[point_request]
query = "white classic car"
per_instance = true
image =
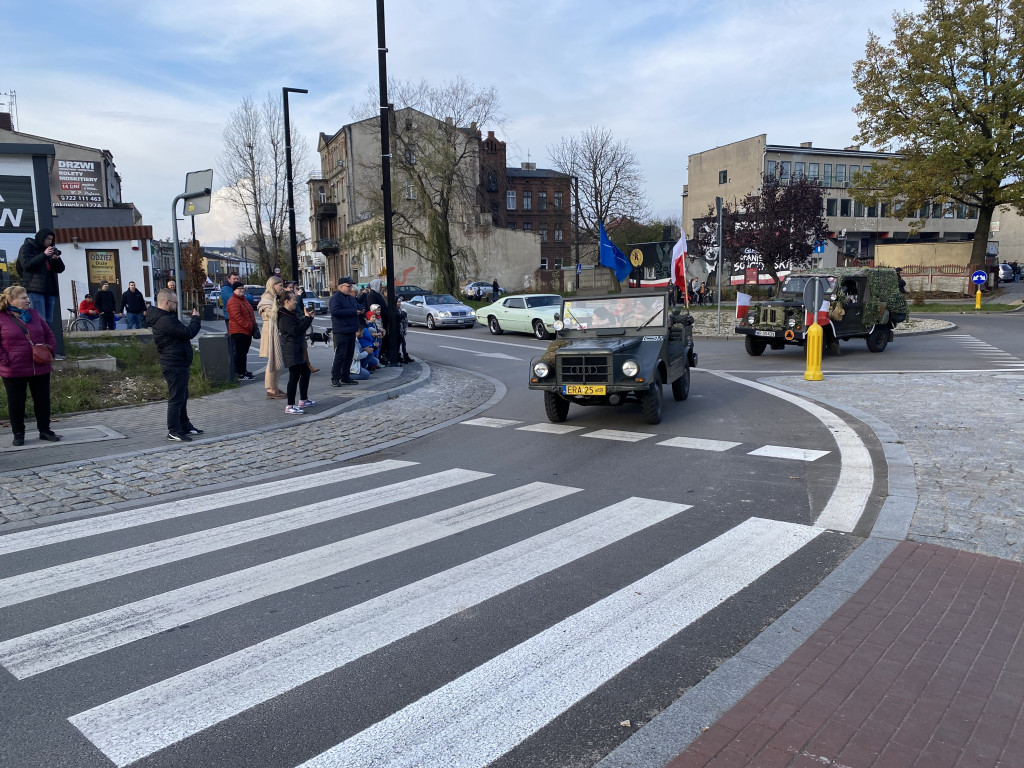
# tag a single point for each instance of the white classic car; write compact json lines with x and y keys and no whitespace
{"x":526,"y":313}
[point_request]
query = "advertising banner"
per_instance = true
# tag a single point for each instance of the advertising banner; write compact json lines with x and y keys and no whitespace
{"x":77,"y":183}
{"x":102,"y":265}
{"x":17,"y":221}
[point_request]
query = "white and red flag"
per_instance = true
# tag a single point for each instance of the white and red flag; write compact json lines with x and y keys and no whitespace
{"x":822,"y":315}
{"x":742,"y":305}
{"x":679,"y":267}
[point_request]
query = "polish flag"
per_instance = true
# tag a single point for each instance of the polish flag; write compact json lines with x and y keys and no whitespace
{"x":742,"y":305}
{"x":679,"y":267}
{"x":822,"y":316}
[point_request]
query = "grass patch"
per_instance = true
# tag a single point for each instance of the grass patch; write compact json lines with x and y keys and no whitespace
{"x":137,"y":379}
{"x":939,"y":308}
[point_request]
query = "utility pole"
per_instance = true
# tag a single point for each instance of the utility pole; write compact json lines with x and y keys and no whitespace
{"x":293,"y":247}
{"x":385,"y":166}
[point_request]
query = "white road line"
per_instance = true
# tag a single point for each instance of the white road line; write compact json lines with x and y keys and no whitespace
{"x":488,"y":422}
{"x":58,"y":578}
{"x":783,"y":452}
{"x":53,"y":534}
{"x":856,"y":472}
{"x":485,"y":713}
{"x":150,"y":719}
{"x":551,"y":429}
{"x":74,"y":640}
{"x":699,"y":444}
{"x":615,"y":434}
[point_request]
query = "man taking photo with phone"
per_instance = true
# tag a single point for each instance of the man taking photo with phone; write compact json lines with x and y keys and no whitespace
{"x":173,"y":340}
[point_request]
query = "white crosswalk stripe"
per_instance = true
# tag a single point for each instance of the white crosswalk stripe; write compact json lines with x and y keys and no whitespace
{"x":477,"y":715}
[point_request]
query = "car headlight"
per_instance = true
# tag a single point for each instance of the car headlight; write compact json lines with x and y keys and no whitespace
{"x":791,"y":322}
{"x":559,"y":325}
{"x":541,"y":370}
{"x":630,"y":368}
{"x":472,"y":313}
{"x":445,"y":314}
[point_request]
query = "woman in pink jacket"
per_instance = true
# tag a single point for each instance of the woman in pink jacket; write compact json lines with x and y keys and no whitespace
{"x":20,"y":328}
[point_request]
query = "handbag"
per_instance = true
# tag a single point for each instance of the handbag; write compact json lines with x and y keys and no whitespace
{"x":355,"y":366}
{"x":255,"y":331}
{"x":41,"y":353}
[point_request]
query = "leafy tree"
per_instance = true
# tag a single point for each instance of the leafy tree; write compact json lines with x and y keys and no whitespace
{"x":948,"y":95}
{"x":625,"y":232}
{"x":252,"y":166}
{"x":778,"y":226}
{"x":610,"y":180}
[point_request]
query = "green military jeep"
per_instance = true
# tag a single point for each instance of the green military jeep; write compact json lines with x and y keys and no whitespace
{"x":864,"y":302}
{"x":610,"y":350}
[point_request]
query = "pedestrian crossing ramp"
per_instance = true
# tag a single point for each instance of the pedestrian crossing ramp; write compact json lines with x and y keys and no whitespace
{"x":480,"y":714}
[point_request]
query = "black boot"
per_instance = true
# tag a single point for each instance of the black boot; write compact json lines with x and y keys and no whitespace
{"x":19,"y":439}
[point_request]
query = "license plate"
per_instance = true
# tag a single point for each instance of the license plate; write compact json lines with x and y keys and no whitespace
{"x":583,"y":389}
{"x":770,"y":334}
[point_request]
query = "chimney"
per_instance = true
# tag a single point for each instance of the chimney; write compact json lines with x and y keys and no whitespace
{"x":852,"y":148}
{"x":490,"y":134}
{"x":529,"y":166}
{"x":5,"y":121}
{"x":805,"y":145}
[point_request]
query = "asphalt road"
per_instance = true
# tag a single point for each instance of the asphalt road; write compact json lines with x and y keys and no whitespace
{"x":496,"y":592}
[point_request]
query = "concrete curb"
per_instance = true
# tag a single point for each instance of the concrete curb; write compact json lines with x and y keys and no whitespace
{"x":740,"y":336}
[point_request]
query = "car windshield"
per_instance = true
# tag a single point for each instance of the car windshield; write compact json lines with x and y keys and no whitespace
{"x":614,"y":312}
{"x":795,"y":284}
{"x":444,"y":298}
{"x":543,"y":301}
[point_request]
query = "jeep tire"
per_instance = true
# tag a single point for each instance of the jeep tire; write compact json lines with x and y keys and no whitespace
{"x":556,"y":407}
{"x":754,"y":346}
{"x":878,"y":338}
{"x":650,"y":401}
{"x":681,"y":386}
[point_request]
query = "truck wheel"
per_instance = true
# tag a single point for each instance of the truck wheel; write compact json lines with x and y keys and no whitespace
{"x":755,"y":347}
{"x":539,"y":330}
{"x":493,"y":327}
{"x":556,"y":407}
{"x":878,"y":338}
{"x":681,"y":386}
{"x":650,"y":401}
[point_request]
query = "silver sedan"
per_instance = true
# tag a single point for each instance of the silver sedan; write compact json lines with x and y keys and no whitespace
{"x":439,"y":311}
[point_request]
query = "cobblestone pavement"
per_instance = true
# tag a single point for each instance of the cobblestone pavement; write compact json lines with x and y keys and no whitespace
{"x":965,"y":436}
{"x":706,"y":325}
{"x":96,"y":485}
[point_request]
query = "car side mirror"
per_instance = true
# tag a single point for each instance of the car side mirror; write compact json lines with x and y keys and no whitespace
{"x":558,"y":315}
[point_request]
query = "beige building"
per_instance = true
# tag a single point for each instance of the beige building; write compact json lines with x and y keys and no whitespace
{"x":734,"y":170}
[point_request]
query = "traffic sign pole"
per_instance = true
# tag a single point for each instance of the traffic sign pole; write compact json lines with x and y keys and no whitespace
{"x":815,"y":337}
{"x":979,"y":278}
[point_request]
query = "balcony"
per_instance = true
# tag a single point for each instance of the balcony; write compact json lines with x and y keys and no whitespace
{"x":326,"y":210}
{"x":327,"y":245}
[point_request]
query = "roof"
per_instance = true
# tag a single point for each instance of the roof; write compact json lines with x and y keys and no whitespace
{"x":540,"y":173}
{"x":102,"y":234}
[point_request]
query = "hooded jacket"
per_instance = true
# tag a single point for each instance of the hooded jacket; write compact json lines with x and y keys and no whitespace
{"x":39,"y":271}
{"x":173,"y":339}
{"x":292,"y":330}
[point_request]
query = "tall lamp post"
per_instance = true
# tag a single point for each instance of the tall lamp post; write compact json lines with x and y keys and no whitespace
{"x":294,"y":249}
{"x":385,"y":165}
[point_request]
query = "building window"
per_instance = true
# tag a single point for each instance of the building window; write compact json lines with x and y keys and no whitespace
{"x":936,"y":210}
{"x":558,"y":235}
{"x":723,"y":177}
{"x":844,"y":207}
{"x":885,"y":210}
{"x":772,"y":167}
{"x":543,"y":262}
{"x":858,"y":209}
{"x":543,"y":229}
{"x":558,"y":201}
{"x":510,"y":200}
{"x":511,"y":225}
{"x":831,"y":207}
{"x":410,"y":156}
{"x":542,"y":201}
{"x":854,"y":169}
{"x":528,"y":226}
{"x":828,"y":174}
{"x":323,"y":199}
{"x":785,"y":165}
{"x":798,"y":170}
{"x":840,"y":173}
{"x":872,"y":211}
{"x":527,"y":200}
{"x":812,"y":171}
{"x":410,"y":193}
{"x":492,"y":182}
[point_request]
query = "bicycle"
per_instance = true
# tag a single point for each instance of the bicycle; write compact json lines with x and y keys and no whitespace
{"x":75,"y":322}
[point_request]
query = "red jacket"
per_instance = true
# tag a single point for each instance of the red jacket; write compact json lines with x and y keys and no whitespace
{"x":241,"y":318}
{"x":16,"y":351}
{"x":88,"y":308}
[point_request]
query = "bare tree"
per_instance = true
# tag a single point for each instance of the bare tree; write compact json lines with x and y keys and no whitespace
{"x":609,"y":179}
{"x":253,"y":169}
{"x":435,"y":172}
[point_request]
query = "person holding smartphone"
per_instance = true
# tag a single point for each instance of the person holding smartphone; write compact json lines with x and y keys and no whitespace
{"x":292,"y":330}
{"x":173,"y":340}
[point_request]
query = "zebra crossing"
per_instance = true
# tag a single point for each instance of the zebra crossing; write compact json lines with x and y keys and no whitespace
{"x":993,"y":355}
{"x":478,"y":715}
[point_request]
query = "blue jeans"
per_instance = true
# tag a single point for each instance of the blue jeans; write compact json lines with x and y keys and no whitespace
{"x":133,"y":319}
{"x":43,"y":305}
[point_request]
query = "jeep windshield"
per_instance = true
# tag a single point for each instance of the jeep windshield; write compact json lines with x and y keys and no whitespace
{"x":794,"y":284}
{"x":620,"y":312}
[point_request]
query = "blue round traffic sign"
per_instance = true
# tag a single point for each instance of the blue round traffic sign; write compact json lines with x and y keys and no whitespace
{"x":980,"y":277}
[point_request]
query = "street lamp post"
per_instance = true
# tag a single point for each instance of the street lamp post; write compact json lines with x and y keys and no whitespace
{"x":288,"y":171}
{"x":385,"y":165}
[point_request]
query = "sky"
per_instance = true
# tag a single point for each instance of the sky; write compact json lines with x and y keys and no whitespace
{"x":155,"y":82}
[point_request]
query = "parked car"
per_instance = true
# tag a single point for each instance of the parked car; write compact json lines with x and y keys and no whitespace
{"x":1006,"y":273}
{"x":406,"y":292}
{"x":439,"y":311}
{"x":213,"y":297}
{"x":254,"y":293}
{"x":310,"y":299}
{"x":486,"y":291}
{"x":526,"y":313}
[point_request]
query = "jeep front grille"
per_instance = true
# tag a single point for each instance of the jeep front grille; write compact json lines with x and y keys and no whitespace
{"x":773,"y":315}
{"x":585,"y":369}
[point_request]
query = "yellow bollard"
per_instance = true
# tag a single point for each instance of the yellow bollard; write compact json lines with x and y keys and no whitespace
{"x":815,"y":336}
{"x":977,"y":299}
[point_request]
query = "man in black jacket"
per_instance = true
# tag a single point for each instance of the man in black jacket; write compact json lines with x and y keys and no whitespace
{"x":39,"y":263}
{"x":344,"y":322}
{"x":106,"y":305}
{"x":174,"y":342}
{"x":133,"y":306}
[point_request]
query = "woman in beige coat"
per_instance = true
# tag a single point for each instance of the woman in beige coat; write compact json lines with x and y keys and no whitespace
{"x":270,"y":342}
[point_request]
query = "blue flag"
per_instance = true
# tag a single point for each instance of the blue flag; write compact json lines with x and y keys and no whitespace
{"x":613,"y":258}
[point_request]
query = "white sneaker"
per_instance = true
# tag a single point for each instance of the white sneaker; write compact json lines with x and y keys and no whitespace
{"x":307,"y":403}
{"x":294,"y":409}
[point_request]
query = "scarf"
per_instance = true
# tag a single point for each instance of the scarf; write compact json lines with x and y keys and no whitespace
{"x":24,"y":314}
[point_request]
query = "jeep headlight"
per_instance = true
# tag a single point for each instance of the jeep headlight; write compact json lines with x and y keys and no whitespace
{"x":791,"y":322}
{"x":541,"y":370}
{"x":559,"y":325}
{"x":630,"y":368}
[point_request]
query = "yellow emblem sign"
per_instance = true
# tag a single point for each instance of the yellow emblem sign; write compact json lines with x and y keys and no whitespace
{"x":636,"y":257}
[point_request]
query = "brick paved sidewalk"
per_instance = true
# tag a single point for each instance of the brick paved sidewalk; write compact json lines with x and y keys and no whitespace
{"x":922,"y":668}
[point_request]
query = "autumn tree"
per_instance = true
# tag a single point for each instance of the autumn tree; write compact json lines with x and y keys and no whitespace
{"x":625,"y":232}
{"x":609,"y":179}
{"x":252,"y":166}
{"x":435,"y":173}
{"x":947,"y":94}
{"x":776,"y":228}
